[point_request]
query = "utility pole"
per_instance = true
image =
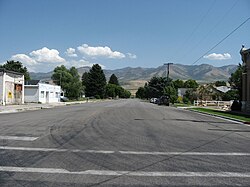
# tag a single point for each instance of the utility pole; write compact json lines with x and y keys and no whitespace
{"x":168,"y":64}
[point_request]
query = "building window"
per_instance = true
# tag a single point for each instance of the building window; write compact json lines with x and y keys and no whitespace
{"x":42,"y":94}
{"x":57,"y":94}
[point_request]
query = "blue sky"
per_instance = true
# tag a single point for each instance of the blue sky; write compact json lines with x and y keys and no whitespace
{"x":120,"y":33}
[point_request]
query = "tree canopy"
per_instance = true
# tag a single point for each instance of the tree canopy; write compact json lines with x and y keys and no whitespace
{"x":16,"y":66}
{"x":69,"y":80}
{"x":191,"y":84}
{"x":96,"y":83}
{"x":113,"y":80}
{"x":235,"y":80}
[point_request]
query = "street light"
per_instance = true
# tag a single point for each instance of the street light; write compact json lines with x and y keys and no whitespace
{"x":168,"y":64}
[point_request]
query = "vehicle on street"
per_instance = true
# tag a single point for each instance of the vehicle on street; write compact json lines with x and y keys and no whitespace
{"x":163,"y":100}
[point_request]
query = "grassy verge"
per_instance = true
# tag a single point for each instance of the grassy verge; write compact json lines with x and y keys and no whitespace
{"x":228,"y":114}
{"x":182,"y":105}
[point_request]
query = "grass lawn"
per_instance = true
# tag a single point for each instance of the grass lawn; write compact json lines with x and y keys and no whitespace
{"x":182,"y":105}
{"x":228,"y":114}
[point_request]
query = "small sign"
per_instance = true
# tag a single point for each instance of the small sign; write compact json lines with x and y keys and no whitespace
{"x":9,"y":95}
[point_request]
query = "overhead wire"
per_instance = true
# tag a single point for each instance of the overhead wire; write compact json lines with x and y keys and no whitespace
{"x":216,"y":25}
{"x":243,"y":23}
{"x":199,"y":24}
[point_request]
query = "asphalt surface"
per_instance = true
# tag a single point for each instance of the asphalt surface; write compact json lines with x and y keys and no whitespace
{"x":122,"y":143}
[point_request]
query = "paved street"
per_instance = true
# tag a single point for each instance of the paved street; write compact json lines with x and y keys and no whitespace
{"x":122,"y":143}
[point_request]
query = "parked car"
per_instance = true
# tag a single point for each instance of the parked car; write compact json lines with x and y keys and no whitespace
{"x":163,"y":100}
{"x":64,"y":99}
{"x":153,"y":100}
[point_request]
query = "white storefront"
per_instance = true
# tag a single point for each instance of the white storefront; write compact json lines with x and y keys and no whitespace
{"x":11,"y":87}
{"x":42,"y":93}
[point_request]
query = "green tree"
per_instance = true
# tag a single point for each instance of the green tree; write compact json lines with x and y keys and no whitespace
{"x":191,"y":84}
{"x":16,"y":66}
{"x":155,"y":87}
{"x":113,"y":80}
{"x":231,"y":95}
{"x":178,"y":83}
{"x":220,"y":83}
{"x":140,"y":93}
{"x":69,"y":80}
{"x":111,"y":90}
{"x":96,"y":83}
{"x":190,"y":96}
{"x":122,"y":93}
{"x":235,"y":80}
{"x":85,"y":77}
{"x":75,"y":86}
{"x":171,"y":92}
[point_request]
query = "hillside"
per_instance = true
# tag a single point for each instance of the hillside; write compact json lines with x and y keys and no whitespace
{"x":132,"y":78}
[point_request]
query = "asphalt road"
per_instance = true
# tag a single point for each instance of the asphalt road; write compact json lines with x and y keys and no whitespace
{"x":122,"y":143}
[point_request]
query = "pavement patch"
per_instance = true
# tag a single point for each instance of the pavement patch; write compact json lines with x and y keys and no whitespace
{"x":18,"y":138}
{"x":127,"y":173}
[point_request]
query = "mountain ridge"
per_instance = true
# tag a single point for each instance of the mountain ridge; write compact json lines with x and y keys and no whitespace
{"x":201,"y":73}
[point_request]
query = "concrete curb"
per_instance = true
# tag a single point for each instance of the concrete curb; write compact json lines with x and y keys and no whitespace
{"x":228,"y":118}
{"x":32,"y":108}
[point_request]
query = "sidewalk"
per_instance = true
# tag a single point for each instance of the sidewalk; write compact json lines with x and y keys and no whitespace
{"x":34,"y":106}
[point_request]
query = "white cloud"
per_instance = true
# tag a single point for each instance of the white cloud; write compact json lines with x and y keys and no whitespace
{"x":100,"y":51}
{"x":46,"y":55}
{"x":81,"y":63}
{"x":25,"y":59}
{"x":71,"y":52}
{"x":215,"y":56}
{"x":132,"y":56}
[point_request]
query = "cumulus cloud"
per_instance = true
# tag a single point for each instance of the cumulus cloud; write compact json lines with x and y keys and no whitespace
{"x":81,"y":63}
{"x":25,"y":59}
{"x":132,"y":56}
{"x":100,"y":52}
{"x":215,"y":56}
{"x":71,"y":52}
{"x":46,"y":55}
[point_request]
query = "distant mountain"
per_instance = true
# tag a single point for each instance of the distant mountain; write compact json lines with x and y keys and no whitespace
{"x":201,"y":73}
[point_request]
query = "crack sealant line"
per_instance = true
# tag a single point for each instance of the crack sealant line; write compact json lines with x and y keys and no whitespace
{"x":127,"y":173}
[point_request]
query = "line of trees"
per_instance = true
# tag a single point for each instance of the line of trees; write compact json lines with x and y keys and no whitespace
{"x":159,"y":86}
{"x":92,"y":83}
{"x":163,"y":86}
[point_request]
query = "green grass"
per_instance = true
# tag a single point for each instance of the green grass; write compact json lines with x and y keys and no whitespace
{"x":228,"y":114}
{"x":182,"y":105}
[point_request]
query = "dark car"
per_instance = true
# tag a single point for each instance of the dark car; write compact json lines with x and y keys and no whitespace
{"x":64,"y":99}
{"x":163,"y":100}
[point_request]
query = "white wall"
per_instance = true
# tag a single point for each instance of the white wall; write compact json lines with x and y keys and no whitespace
{"x":31,"y":94}
{"x":9,"y":95}
{"x":51,"y":93}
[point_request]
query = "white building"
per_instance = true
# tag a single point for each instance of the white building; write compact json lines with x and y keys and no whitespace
{"x":42,"y":93}
{"x":11,"y":87}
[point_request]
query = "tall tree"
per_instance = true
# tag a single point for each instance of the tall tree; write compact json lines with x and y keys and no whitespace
{"x":191,"y":84}
{"x":178,"y":83}
{"x":96,"y":82}
{"x":140,"y":93}
{"x":156,"y":85}
{"x":85,"y":77}
{"x":113,"y":80}
{"x":16,"y":66}
{"x":236,"y":80}
{"x":69,"y":80}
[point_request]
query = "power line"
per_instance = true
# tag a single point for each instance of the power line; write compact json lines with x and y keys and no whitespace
{"x":199,"y":24}
{"x":222,"y":40}
{"x":202,"y":39}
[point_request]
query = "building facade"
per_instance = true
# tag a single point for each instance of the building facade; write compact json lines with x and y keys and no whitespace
{"x":11,"y":87}
{"x":42,"y":93}
{"x":245,"y":56}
